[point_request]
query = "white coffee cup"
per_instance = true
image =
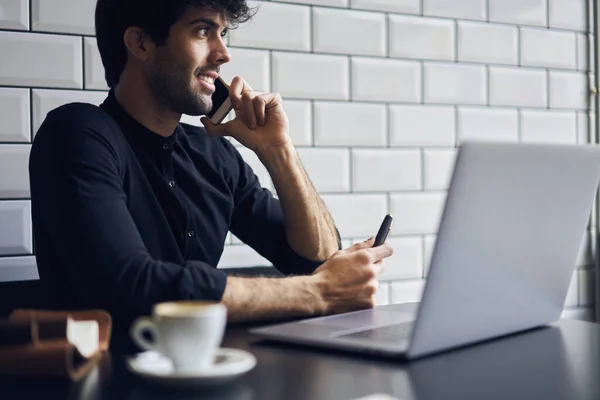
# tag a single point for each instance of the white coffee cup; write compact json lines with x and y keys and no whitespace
{"x":187,"y":332}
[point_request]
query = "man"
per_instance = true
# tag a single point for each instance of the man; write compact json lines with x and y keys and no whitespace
{"x":131,"y":208}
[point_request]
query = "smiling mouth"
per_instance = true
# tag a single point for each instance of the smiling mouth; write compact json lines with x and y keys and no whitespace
{"x":206,"y":79}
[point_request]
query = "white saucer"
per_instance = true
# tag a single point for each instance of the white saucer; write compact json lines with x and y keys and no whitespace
{"x":158,"y":369}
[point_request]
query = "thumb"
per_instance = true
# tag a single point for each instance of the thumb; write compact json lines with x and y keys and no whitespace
{"x":360,"y":245}
{"x":215,"y":130}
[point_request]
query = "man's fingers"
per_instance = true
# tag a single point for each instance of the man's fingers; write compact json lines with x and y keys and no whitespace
{"x":360,"y":245}
{"x":248,"y":115}
{"x":260,"y":107}
{"x":215,"y":130}
{"x":380,"y":252}
{"x":379,"y":267}
{"x":238,"y":87}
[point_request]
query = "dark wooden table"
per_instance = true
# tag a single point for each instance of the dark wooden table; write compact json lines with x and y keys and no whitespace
{"x":558,"y":362}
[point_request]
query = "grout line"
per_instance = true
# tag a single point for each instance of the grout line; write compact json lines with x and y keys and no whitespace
{"x":351,"y":168}
{"x":519,"y":38}
{"x":422,"y":82}
{"x":456,"y":41}
{"x":31,"y":116}
{"x":547,"y":89}
{"x":30,"y":15}
{"x":456,"y":125}
{"x":387,"y":34}
{"x":83,"y":81}
{"x":519,"y":126}
{"x":422,"y":160}
{"x":547,"y":2}
{"x":271,"y":71}
{"x":312,"y":122}
{"x":487,"y":10}
{"x":311,"y":28}
{"x":388,"y":126}
{"x":487,"y":85}
{"x":350,"y":94}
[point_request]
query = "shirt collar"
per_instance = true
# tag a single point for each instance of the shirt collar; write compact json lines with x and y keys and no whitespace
{"x":134,"y":130}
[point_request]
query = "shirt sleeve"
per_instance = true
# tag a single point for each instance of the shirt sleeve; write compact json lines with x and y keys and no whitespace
{"x":76,"y":177}
{"x":258,"y":221}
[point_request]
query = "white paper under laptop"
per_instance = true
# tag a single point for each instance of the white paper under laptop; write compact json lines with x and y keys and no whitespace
{"x":506,"y":249}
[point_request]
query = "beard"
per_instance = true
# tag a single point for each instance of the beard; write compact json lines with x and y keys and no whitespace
{"x":171,"y":85}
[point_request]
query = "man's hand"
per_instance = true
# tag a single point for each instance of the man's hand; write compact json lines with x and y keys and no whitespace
{"x":348,"y":280}
{"x":260,"y":122}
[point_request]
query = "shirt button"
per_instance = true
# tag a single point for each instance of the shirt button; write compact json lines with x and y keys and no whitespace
{"x":166,"y":146}
{"x":171,"y":183}
{"x":191,"y":233}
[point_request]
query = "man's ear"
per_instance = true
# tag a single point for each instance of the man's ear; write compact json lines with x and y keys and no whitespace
{"x":138,"y":43}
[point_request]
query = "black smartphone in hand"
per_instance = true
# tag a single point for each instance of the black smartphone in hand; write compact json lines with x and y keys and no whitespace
{"x":221,"y":102}
{"x":384,"y":229}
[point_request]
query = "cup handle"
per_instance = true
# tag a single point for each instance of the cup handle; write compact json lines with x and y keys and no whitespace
{"x":137,"y":330}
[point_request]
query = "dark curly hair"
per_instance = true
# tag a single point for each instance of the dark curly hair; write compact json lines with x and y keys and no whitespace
{"x":155,"y":17}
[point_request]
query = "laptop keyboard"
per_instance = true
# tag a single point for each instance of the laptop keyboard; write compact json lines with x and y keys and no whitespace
{"x":390,"y":333}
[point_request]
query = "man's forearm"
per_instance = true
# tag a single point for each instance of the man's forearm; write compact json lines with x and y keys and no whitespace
{"x":250,"y":299}
{"x":309,"y":227}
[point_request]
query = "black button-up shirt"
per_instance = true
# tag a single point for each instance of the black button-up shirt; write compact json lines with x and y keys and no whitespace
{"x":124,"y":218}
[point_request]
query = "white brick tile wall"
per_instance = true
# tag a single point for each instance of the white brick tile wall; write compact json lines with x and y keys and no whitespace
{"x":386,"y":80}
{"x":454,"y":83}
{"x":467,"y":9}
{"x":518,"y":87}
{"x":14,"y":14}
{"x":481,"y":123}
{"x":15,"y":228}
{"x":422,"y":125}
{"x":395,"y":6}
{"x":45,"y":100}
{"x":438,"y":168}
{"x":378,"y":94}
{"x":568,"y":90}
{"x":32,"y":54}
{"x":328,"y":169}
{"x":349,"y":32}
{"x":386,"y":170}
{"x":548,"y":126}
{"x":487,"y":43}
{"x":311,"y":76}
{"x":546,"y":48}
{"x":430,"y":38}
{"x":275,"y":26}
{"x":519,"y":12}
{"x":14,"y":179}
{"x":65,"y":16}
{"x":350,"y":124}
{"x":568,"y":14}
{"x":15,"y":115}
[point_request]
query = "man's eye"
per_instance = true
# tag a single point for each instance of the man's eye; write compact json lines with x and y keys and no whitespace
{"x":224,"y":33}
{"x":203,"y":31}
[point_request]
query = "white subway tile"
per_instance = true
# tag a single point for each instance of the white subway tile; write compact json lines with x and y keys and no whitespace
{"x":518,"y":87}
{"x":331,"y":3}
{"x":487,"y":43}
{"x":350,"y":124}
{"x":572,"y":298}
{"x":581,"y":314}
{"x":18,"y":269}
{"x":14,"y":158}
{"x":15,"y":228}
{"x":421,"y":38}
{"x":65,"y":16}
{"x":548,"y":126}
{"x":547,"y":48}
{"x":335,"y":31}
{"x":382,"y":297}
{"x":466,"y":9}
{"x":476,"y":123}
{"x":407,"y":291}
{"x":251,"y":65}
{"x":14,"y":114}
{"x":239,"y":256}
{"x":416,"y":213}
{"x":386,"y":80}
{"x":356,"y":215}
{"x":45,"y":100}
{"x":257,"y":166}
{"x":275,"y":26}
{"x":586,"y":287}
{"x":299,"y":114}
{"x":94,"y":70}
{"x":386,"y":170}
{"x":582,"y":52}
{"x":438,"y":167}
{"x":454,"y":83}
{"x":41,"y":60}
{"x":519,"y":12}
{"x":568,"y":14}
{"x":328,"y":169}
{"x":14,"y":14}
{"x":311,"y":76}
{"x":583,"y":124}
{"x":407,"y":260}
{"x":422,"y":125}
{"x":395,"y":6}
{"x":428,"y":246}
{"x":568,"y":90}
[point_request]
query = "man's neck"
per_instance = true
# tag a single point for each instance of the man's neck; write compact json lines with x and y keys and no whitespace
{"x":136,"y":99}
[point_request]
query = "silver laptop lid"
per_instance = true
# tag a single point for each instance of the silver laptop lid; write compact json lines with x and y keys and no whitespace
{"x":507,"y":241}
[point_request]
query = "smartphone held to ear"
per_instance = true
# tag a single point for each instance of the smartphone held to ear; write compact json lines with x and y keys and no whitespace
{"x":221,"y":102}
{"x":384,"y":229}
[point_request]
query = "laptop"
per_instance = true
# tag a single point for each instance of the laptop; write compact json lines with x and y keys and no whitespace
{"x":507,"y":244}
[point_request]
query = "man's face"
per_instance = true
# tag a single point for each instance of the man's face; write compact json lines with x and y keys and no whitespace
{"x":180,"y":75}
